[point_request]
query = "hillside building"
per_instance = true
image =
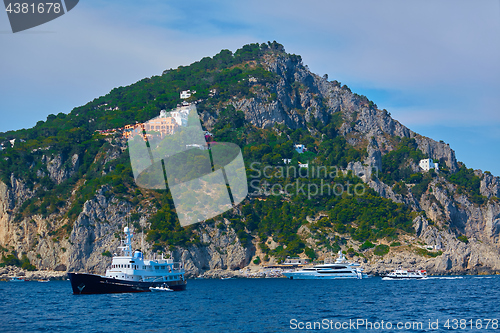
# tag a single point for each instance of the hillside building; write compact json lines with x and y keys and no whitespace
{"x":427,"y":164}
{"x":185,"y":94}
{"x":300,"y":148}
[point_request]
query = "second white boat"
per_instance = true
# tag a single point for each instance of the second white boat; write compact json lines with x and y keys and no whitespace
{"x":341,"y":269}
{"x":403,"y":274}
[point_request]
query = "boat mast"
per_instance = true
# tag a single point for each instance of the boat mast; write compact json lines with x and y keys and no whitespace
{"x":127,"y":243}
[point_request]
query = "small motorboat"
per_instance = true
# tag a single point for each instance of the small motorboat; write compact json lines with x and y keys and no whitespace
{"x":403,"y":274}
{"x":162,"y":288}
{"x":16,"y":279}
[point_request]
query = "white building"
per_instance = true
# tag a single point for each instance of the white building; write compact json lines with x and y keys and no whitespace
{"x":287,"y":160}
{"x":305,"y":165}
{"x":300,"y":148}
{"x":187,"y":93}
{"x":428,"y":164}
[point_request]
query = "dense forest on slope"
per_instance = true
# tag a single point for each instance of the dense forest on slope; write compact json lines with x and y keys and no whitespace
{"x":70,"y":142}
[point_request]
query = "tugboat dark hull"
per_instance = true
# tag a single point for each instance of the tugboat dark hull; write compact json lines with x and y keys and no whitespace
{"x":83,"y":283}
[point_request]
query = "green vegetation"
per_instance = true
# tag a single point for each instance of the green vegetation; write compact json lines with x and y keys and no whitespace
{"x":352,"y":253}
{"x":256,"y":260}
{"x":468,"y":183}
{"x":381,"y":250}
{"x":310,"y":253}
{"x":422,"y":186}
{"x":429,"y":254}
{"x":395,"y":163}
{"x":393,"y":244}
{"x":13,"y":260}
{"x":165,"y":227}
{"x":107,"y":254}
{"x":366,"y":245}
{"x":463,"y":238}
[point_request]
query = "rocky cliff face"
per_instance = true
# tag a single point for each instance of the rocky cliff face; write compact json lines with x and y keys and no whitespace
{"x":223,"y":251}
{"x":59,"y":172}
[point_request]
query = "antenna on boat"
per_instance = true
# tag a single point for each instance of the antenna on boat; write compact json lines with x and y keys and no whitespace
{"x":142,"y":235}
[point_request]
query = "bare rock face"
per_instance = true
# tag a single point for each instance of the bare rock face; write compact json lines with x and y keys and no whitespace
{"x":59,"y":171}
{"x":94,"y":233}
{"x":11,"y":196}
{"x":6,"y":199}
{"x":490,"y":185}
{"x":223,"y":251}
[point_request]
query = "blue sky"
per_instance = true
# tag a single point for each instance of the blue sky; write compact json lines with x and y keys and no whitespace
{"x":434,"y":65}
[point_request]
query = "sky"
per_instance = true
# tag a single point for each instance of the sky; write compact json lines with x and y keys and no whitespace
{"x":434,"y":65}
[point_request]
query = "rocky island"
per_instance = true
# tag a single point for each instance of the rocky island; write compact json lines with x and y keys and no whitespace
{"x":66,"y":186}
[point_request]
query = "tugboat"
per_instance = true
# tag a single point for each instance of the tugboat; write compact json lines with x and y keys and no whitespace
{"x":341,"y":269}
{"x":402,"y":274}
{"x":130,"y":273}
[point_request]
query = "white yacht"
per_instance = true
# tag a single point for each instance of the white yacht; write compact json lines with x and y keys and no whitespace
{"x":131,"y":273}
{"x":341,"y":269}
{"x":403,"y":274}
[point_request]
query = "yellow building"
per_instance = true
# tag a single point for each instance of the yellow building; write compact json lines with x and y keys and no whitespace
{"x":165,"y":126}
{"x":162,"y":126}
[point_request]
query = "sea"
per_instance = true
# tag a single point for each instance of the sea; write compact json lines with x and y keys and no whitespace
{"x":438,"y":304}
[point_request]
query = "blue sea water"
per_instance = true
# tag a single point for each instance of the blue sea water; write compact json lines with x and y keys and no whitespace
{"x":469,"y":303}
